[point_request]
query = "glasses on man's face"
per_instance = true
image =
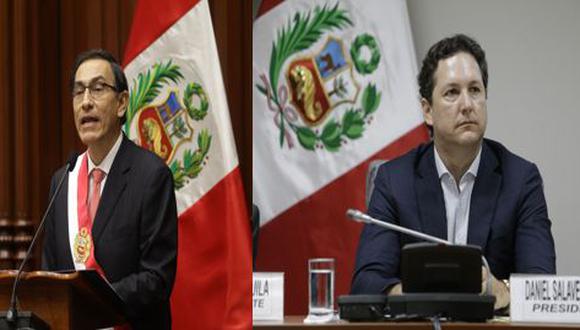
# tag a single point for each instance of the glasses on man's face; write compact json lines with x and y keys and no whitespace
{"x":97,"y":89}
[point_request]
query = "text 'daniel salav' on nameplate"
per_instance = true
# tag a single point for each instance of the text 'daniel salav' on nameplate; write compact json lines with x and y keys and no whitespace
{"x":544,"y":298}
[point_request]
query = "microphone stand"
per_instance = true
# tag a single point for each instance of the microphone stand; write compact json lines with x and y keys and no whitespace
{"x":460,"y":306}
{"x":359,"y":216}
{"x":12,"y":313}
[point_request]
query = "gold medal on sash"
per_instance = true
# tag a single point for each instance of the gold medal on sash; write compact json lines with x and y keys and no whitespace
{"x":82,"y":246}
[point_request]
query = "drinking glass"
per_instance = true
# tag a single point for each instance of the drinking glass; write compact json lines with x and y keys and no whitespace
{"x":320,"y":289}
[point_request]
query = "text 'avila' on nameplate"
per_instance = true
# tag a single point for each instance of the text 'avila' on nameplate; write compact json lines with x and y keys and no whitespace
{"x":268,"y":296}
{"x":544,"y":298}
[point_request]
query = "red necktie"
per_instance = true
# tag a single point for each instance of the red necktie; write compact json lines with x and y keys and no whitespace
{"x":98,"y":176}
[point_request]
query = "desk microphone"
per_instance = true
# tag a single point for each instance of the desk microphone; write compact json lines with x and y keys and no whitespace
{"x":12,"y":314}
{"x":359,"y":216}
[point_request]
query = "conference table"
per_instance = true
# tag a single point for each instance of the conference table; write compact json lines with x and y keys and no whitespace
{"x":296,"y":322}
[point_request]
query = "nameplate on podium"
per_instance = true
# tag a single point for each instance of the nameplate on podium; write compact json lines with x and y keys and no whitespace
{"x":268,"y":296}
{"x":544,"y":298}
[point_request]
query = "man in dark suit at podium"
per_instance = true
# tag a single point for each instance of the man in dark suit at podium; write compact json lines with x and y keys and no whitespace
{"x":460,"y":186}
{"x":116,"y":212}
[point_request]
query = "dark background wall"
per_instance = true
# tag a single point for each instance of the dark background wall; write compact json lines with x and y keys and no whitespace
{"x":39,"y":40}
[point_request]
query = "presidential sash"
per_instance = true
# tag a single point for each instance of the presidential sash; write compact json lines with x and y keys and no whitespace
{"x":83,"y":249}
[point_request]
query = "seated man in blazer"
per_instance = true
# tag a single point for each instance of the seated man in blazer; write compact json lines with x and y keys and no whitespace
{"x":116,"y":212}
{"x":460,"y":186}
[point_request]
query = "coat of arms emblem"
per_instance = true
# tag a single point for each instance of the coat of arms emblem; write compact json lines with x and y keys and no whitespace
{"x":319,"y":100}
{"x":165,"y":127}
{"x":318,"y":84}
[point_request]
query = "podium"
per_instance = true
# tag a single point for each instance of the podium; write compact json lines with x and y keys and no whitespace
{"x":74,"y":300}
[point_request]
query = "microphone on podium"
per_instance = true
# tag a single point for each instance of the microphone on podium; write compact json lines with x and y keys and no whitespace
{"x":12,"y":313}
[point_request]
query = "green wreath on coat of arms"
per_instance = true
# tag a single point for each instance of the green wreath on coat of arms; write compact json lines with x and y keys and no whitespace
{"x":300,"y":34}
{"x":146,"y":87}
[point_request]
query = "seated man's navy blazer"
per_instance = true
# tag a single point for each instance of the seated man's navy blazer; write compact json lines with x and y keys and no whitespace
{"x":508,"y":217}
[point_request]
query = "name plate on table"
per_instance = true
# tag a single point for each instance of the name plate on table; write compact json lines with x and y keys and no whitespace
{"x":544,"y":298}
{"x":268,"y":296}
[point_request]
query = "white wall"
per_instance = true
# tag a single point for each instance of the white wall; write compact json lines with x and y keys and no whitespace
{"x":533,"y":52}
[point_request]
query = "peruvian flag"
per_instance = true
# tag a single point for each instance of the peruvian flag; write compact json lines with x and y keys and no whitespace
{"x":178,"y":109}
{"x":334,"y":88}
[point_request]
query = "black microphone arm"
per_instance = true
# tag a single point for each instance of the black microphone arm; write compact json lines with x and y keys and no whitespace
{"x":359,"y":216}
{"x":12,"y":314}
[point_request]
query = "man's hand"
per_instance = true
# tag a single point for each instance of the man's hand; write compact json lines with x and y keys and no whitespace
{"x":498,"y":289}
{"x":395,"y":290}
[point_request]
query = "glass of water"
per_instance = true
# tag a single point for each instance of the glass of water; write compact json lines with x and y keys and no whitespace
{"x":320,"y":289}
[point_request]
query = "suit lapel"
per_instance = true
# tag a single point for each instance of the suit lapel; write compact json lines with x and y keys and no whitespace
{"x":114,"y":186}
{"x":430,"y":195}
{"x":484,"y":198}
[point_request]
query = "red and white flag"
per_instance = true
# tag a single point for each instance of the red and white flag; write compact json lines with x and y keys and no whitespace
{"x":178,"y":109}
{"x":334,"y":88}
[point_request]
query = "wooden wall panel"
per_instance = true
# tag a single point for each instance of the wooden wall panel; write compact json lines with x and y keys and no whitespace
{"x":45,"y":152}
{"x":232,"y":21}
{"x":6,"y":150}
{"x":32,"y":127}
{"x":92,"y":17}
{"x":244,"y":132}
{"x":22,"y":112}
{"x":39,"y":40}
{"x":67,"y":49}
{"x":110,"y":26}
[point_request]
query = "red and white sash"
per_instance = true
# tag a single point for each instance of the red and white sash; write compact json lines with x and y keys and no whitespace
{"x":79,"y":221}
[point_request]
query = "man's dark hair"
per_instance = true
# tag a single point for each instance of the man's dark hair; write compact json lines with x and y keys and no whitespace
{"x":91,"y":54}
{"x":444,"y":49}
